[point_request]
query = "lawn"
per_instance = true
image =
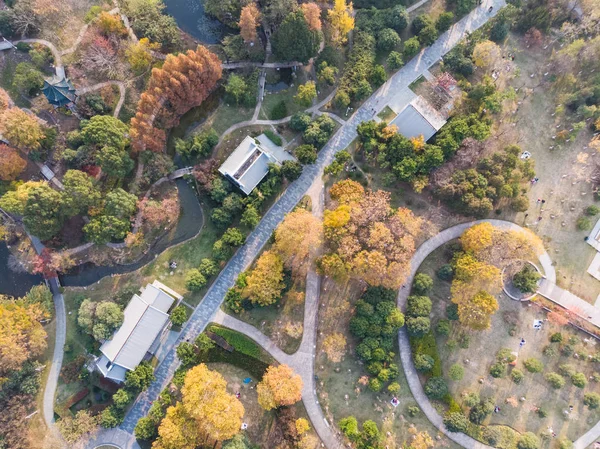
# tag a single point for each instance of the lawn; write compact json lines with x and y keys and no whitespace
{"x":519,"y":403}
{"x":386,"y":114}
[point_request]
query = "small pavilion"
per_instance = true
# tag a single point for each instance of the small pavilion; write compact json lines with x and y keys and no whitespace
{"x":59,"y":91}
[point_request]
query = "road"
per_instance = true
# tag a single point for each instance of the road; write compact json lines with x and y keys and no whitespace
{"x":211,"y":303}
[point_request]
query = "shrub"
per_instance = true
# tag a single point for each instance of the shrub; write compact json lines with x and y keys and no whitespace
{"x":498,"y":370}
{"x":526,"y":280}
{"x":556,"y":337}
{"x":592,"y":400}
{"x":471,"y":399}
{"x":444,"y":21}
{"x":542,"y":413}
{"x":505,"y":355}
{"x":273,"y":137}
{"x":418,"y":306}
{"x":375,"y":384}
{"x":579,"y":380}
{"x":394,"y":388}
{"x":452,"y":312}
{"x":550,"y":351}
{"x":592,"y":211}
{"x":456,"y":372}
{"x":492,"y":435}
{"x":555,"y":380}
{"x":194,"y":280}
{"x":146,"y":429}
{"x":567,"y":350}
{"x":456,"y":422}
{"x":445,"y":272}
{"x":111,"y":417}
{"x":565,"y":444}
{"x":479,"y":412}
{"x":413,"y":410}
{"x":566,"y":369}
{"x":517,"y":376}
{"x":179,"y":315}
{"x":423,"y":362}
{"x":584,"y":224}
{"x":436,"y":388}
{"x":418,"y":326}
{"x":533,"y":365}
{"x":528,"y":441}
{"x":443,"y":327}
{"x":422,"y":284}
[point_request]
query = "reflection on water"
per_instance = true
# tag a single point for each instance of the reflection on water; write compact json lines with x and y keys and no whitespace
{"x":191,"y":18}
{"x":188,"y":226}
{"x":11,"y":283}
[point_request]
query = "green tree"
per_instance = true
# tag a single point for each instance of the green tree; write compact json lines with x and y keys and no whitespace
{"x":291,"y":170}
{"x":194,"y":280}
{"x":250,"y":217}
{"x":79,"y":192}
{"x":146,"y":429}
{"x":300,"y":121}
{"x":111,"y":417}
{"x":418,"y":306}
{"x":306,"y":154}
{"x":28,"y":79}
{"x":105,"y":228}
{"x":43,"y":214}
{"x":555,"y":380}
{"x":294,"y":40}
{"x":114,"y":162}
{"x":104,"y":130}
{"x":423,"y":362}
{"x":417,"y":326}
{"x":208,"y":267}
{"x":120,"y":204}
{"x":481,"y":411}
{"x":233,"y":237}
{"x":444,"y":21}
{"x":592,"y":400}
{"x":422,"y":284}
{"x":236,"y":87}
{"x":179,"y":315}
{"x":533,"y":365}
{"x":42,"y":296}
{"x":436,"y":388}
{"x":411,"y":47}
{"x":394,"y":60}
{"x":456,"y":372}
{"x":140,"y":378}
{"x":387,"y":39}
{"x":579,"y":380}
{"x":121,"y":398}
{"x":186,"y":352}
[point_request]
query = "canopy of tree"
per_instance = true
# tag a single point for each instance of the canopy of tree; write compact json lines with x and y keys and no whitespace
{"x":183,"y":82}
{"x":279,"y":386}
{"x":294,"y":40}
{"x":206,"y":414}
{"x":371,"y":240}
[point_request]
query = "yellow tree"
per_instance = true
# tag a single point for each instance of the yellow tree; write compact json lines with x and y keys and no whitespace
{"x":11,"y":164}
{"x":217,"y":413}
{"x":298,"y":234}
{"x":21,"y":129}
{"x":312,"y":14}
{"x":248,"y":22}
{"x":5,"y":101}
{"x":477,"y":238}
{"x":421,"y":440}
{"x":476,"y":313}
{"x":486,"y":54}
{"x":21,"y":334}
{"x":307,"y":92}
{"x":279,"y":386}
{"x":139,"y":54}
{"x":341,"y":20}
{"x":347,"y":191}
{"x":265,"y":283}
{"x":177,"y":430}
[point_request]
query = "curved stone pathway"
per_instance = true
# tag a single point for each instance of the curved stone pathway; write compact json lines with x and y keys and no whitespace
{"x":119,"y":84}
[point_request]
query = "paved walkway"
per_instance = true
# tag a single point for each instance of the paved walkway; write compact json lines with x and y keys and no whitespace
{"x":569,"y":301}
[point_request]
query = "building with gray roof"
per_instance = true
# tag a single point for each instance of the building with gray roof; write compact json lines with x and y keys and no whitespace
{"x":419,"y":118}
{"x":249,"y":162}
{"x":145,"y":318}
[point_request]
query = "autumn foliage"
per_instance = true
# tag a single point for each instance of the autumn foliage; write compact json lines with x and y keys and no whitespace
{"x":279,"y":386}
{"x":11,"y":164}
{"x":206,"y":413}
{"x":248,"y":22}
{"x":183,"y":82}
{"x":312,"y":14}
{"x":367,"y":238}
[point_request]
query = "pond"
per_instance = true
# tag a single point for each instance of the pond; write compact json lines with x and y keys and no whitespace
{"x":190,"y":223}
{"x":190,"y":17}
{"x":13,"y":283}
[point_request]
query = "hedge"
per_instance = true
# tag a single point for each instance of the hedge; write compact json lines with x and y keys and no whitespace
{"x":240,"y":342}
{"x":427,"y":345}
{"x":273,"y":137}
